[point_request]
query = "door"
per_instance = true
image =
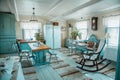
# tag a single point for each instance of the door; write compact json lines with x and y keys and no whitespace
{"x":57,"y":37}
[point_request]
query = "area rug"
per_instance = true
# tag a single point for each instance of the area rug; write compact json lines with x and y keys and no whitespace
{"x":59,"y":65}
{"x":26,"y":63}
{"x":63,"y":49}
{"x":29,"y":70}
{"x":67,"y":71}
{"x":76,"y":76}
{"x":109,"y":72}
{"x":52,"y":62}
{"x":31,"y":77}
{"x":53,"y":59}
{"x":73,"y":55}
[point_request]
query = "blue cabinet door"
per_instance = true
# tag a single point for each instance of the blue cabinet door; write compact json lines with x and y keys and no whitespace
{"x":53,"y":36}
{"x":7,"y":25}
{"x":7,"y":32}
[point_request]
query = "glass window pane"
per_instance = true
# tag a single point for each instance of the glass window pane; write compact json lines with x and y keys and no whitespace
{"x":82,"y":27}
{"x":113,"y":33}
{"x":30,"y":29}
{"x":82,"y":24}
{"x":84,"y":33}
{"x":30,"y":34}
{"x":112,"y":24}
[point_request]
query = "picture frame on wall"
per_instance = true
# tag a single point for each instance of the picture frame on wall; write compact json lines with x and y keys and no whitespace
{"x":94,"y":23}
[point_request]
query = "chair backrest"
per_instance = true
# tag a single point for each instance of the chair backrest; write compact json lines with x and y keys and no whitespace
{"x":92,"y":38}
{"x":19,"y":47}
{"x":70,"y":42}
{"x":15,"y":48}
{"x":101,"y":46}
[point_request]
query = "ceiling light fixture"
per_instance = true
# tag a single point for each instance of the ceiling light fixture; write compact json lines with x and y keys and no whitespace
{"x":33,"y":17}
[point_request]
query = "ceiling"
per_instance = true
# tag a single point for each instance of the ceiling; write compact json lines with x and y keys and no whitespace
{"x":59,"y":9}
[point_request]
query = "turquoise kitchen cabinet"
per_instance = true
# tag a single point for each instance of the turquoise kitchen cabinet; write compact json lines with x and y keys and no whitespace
{"x":7,"y":32}
{"x":53,"y":36}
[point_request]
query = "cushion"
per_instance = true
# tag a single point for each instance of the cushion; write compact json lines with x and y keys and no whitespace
{"x":90,"y":44}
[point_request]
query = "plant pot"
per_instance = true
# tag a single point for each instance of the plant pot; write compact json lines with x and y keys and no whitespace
{"x":74,"y":37}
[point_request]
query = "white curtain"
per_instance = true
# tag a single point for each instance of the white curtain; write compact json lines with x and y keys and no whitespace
{"x":112,"y":25}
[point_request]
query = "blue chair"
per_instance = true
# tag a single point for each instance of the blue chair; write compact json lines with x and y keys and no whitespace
{"x":92,"y":39}
{"x":21,"y":53}
{"x":52,"y":53}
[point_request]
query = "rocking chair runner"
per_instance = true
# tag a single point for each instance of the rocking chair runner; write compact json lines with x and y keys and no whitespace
{"x":94,"y":57}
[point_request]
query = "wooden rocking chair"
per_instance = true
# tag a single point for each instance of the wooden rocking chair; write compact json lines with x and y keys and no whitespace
{"x":94,"y":57}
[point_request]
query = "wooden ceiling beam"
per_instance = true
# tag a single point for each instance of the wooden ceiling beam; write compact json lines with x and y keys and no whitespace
{"x":16,"y":11}
{"x":54,"y":6}
{"x":89,"y":3}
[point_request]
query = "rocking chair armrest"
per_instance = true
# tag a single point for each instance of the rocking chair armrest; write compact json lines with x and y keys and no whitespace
{"x":90,"y":49}
{"x":90,"y":54}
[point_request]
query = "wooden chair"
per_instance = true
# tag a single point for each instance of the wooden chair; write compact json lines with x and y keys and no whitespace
{"x":52,"y":53}
{"x":21,"y":53}
{"x":94,"y":58}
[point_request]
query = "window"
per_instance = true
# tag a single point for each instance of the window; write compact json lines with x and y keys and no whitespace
{"x":112,"y":25}
{"x":82,"y":26}
{"x":29,"y":29}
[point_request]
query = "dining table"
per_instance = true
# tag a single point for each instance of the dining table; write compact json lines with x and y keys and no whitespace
{"x":39,"y":50}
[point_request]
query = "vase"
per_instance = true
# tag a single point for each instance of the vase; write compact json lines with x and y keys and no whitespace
{"x":74,"y":37}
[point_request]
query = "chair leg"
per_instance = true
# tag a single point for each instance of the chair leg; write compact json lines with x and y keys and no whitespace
{"x":83,"y":63}
{"x":50,"y":58}
{"x":80,"y":62}
{"x":70,"y":51}
{"x":93,"y":63}
{"x":96,"y":65}
{"x":20,"y":59}
{"x":56,"y":58}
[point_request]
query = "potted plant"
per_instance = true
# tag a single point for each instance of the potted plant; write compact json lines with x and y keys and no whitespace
{"x":74,"y":34}
{"x":37,"y":36}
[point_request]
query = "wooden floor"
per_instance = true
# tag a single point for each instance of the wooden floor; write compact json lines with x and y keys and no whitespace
{"x":46,"y":72}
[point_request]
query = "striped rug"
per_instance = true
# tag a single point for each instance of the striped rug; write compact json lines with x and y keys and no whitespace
{"x":29,"y":70}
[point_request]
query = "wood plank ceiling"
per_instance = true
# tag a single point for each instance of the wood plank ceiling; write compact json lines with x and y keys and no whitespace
{"x":54,"y":9}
